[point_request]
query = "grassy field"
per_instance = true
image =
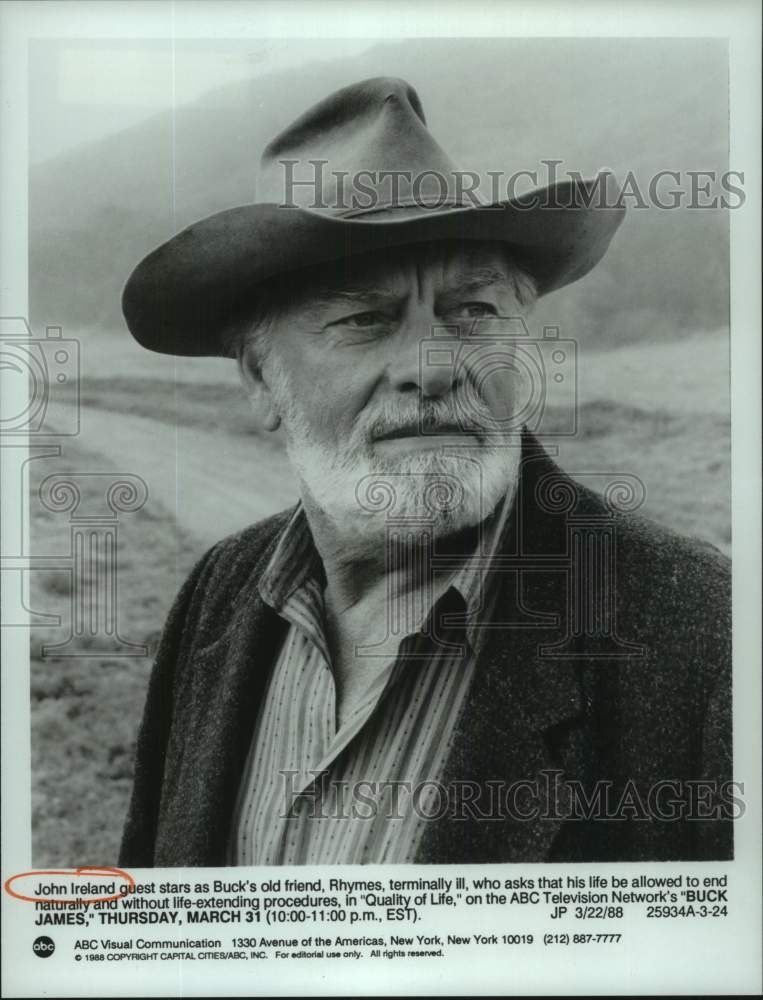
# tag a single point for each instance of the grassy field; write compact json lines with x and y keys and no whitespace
{"x":184,"y":426}
{"x":85,"y":709}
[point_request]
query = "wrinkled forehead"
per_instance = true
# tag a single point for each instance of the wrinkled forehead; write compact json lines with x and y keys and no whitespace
{"x":444,"y":263}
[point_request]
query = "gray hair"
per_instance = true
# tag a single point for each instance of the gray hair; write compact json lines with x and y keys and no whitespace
{"x":248,"y":332}
{"x":524,"y":285}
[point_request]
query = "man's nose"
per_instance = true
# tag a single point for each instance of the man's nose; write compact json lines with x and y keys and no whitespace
{"x":417,"y":364}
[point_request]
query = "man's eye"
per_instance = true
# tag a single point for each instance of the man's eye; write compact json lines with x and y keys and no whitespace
{"x":476,"y":310}
{"x":363,"y":320}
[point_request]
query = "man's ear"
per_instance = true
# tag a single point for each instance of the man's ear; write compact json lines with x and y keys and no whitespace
{"x":257,"y":389}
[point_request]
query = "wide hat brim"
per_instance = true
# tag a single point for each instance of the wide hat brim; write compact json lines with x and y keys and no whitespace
{"x":182,"y":296}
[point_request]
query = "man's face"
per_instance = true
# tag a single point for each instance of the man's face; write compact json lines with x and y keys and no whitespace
{"x":393,"y":377}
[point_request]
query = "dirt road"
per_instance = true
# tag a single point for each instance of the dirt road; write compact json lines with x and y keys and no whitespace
{"x":212,"y":484}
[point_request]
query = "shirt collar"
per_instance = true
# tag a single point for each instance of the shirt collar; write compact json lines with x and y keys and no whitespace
{"x":295,"y":563}
{"x":294,"y":560}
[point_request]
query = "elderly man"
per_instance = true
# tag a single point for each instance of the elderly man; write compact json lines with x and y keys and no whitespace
{"x":448,"y":650}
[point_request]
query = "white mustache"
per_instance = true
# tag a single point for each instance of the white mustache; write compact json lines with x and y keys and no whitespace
{"x":428,"y":418}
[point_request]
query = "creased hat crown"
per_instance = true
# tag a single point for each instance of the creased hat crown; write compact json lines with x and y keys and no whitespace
{"x":364,"y":148}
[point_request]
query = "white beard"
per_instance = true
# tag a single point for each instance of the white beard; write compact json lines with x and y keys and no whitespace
{"x":438,"y":491}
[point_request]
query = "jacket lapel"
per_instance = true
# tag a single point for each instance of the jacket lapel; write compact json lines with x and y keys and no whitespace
{"x":506,"y":756}
{"x":215,"y":721}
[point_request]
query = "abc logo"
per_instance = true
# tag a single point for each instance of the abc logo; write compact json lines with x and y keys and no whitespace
{"x":43,"y":946}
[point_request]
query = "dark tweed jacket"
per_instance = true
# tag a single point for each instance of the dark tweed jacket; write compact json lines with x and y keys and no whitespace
{"x":662,"y":713}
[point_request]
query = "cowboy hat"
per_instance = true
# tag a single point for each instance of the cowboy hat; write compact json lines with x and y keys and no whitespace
{"x":358,"y":172}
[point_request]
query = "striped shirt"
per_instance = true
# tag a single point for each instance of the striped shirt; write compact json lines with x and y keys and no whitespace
{"x":313,"y":793}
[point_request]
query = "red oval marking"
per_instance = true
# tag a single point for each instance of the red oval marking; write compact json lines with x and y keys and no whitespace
{"x":69,"y":873}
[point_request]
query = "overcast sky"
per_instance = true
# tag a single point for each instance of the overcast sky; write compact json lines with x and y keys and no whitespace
{"x":81,"y":90}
